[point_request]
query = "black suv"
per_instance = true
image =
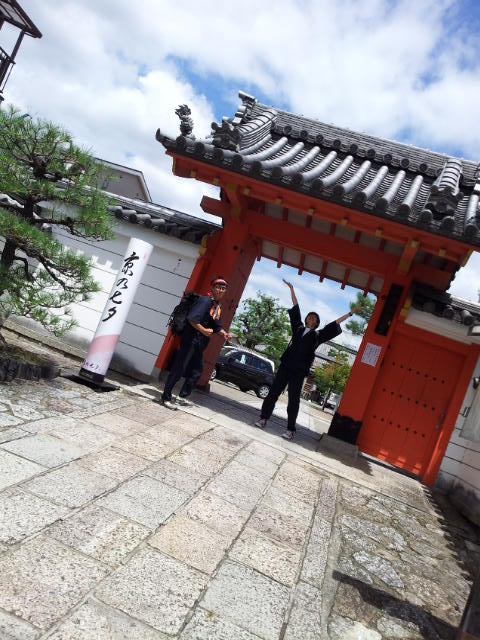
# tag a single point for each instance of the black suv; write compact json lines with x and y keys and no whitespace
{"x":244,"y":368}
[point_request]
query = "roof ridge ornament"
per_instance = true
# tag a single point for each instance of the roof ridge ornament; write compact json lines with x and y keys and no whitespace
{"x":244,"y":109}
{"x":184,"y":112}
{"x":225,"y":135}
{"x":445,"y":193}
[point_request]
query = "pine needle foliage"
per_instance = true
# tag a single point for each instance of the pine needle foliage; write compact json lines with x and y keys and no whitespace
{"x":263,"y":324}
{"x":47,"y":183}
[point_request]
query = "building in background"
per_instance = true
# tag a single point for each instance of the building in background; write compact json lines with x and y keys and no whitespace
{"x":177,"y":238}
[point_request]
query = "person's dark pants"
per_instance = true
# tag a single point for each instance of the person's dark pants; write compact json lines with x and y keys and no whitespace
{"x":188,"y":363}
{"x":294,"y":379}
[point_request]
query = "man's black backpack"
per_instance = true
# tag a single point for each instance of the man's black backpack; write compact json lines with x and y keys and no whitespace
{"x":178,"y":318}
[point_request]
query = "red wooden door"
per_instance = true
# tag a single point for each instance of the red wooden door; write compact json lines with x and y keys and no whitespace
{"x":405,"y":413}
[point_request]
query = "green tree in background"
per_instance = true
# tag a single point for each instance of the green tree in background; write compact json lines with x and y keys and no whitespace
{"x":366,"y":305}
{"x":46,"y":183}
{"x":263,"y":322}
{"x":333,"y":376}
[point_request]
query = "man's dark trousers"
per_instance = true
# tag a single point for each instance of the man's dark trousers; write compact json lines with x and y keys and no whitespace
{"x":294,"y":379}
{"x":189,"y":363}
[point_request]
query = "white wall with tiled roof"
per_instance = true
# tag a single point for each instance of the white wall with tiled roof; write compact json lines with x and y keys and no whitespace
{"x":163,"y":283}
{"x":164,"y":280}
{"x":460,"y":469}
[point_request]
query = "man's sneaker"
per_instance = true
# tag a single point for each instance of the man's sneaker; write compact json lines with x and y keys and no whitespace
{"x":288,"y":435}
{"x":261,"y":423}
{"x":169,"y":404}
{"x":183,"y":402}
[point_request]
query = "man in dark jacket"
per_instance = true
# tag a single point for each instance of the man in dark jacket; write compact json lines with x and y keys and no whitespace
{"x":296,"y":361}
{"x":202,"y":321}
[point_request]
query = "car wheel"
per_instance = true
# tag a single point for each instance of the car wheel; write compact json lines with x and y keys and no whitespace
{"x":213,"y":375}
{"x":262,"y":392}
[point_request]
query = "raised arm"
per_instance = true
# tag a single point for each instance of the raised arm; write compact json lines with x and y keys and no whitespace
{"x":348,"y":315}
{"x":292,"y":292}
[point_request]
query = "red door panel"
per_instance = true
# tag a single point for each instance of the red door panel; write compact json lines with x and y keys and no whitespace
{"x":404,"y":415}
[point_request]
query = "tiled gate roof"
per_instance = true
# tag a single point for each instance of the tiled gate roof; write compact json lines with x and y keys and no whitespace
{"x":412,"y":186}
{"x":162,"y":219}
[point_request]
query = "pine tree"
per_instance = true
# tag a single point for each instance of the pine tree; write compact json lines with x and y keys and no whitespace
{"x":46,"y":183}
{"x":366,"y":304}
{"x":263,"y":322}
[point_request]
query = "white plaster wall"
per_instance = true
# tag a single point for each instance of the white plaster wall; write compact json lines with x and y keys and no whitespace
{"x":460,"y":468}
{"x":164,"y":280}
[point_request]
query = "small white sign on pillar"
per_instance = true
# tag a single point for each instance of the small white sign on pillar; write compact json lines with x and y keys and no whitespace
{"x":371,"y":353}
{"x":113,"y":318}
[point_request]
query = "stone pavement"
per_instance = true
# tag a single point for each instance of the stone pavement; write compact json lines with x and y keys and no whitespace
{"x":124,"y":521}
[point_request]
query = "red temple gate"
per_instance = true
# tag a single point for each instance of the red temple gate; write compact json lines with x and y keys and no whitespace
{"x":376,"y":215}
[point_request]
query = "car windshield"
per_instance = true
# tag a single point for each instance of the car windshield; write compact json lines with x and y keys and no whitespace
{"x":225,"y":351}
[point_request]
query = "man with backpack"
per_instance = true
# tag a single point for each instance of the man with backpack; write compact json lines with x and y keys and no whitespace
{"x":296,"y":361}
{"x":202,"y":320}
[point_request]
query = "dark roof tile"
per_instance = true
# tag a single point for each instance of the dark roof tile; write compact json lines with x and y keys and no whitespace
{"x":163,"y":220}
{"x":416,"y":187}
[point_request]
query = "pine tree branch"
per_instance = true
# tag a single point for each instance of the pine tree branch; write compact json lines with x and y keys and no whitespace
{"x":28,"y":275}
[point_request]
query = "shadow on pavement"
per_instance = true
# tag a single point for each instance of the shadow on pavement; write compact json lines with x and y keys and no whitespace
{"x":430,"y":626}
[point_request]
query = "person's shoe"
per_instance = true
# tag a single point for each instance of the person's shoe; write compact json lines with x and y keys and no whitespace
{"x":261,"y":423}
{"x":183,"y":402}
{"x":169,"y":404}
{"x":288,"y":435}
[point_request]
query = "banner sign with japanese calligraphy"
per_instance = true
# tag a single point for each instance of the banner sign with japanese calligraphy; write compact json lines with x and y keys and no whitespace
{"x":113,"y":318}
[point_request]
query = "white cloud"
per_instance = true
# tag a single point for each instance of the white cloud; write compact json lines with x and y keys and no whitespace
{"x":467,"y":281}
{"x":113,"y":71}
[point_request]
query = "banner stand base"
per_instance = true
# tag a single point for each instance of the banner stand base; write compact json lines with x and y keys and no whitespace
{"x":99,"y":386}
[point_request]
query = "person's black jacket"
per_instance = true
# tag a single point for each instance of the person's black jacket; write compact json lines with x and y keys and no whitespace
{"x":200,"y":312}
{"x":300,"y":353}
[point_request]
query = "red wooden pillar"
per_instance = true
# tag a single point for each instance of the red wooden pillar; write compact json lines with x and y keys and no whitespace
{"x":230,"y":253}
{"x":372,"y":349}
{"x":196,"y":279}
{"x":362,"y":376}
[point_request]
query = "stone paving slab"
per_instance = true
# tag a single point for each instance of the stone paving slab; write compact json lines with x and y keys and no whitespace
{"x":285,"y":529}
{"x":235,"y":472}
{"x":305,"y":619}
{"x":114,"y":463}
{"x":267,"y":556}
{"x":142,"y":446}
{"x":23,"y":514}
{"x":191,"y":542}
{"x":12,"y":433}
{"x":100,"y":533}
{"x":216,"y":513}
{"x":96,"y":621}
{"x":147,"y":413}
{"x":169,"y":437}
{"x":225,"y":438}
{"x":155,"y":589}
{"x":205,"y":625}
{"x":234,"y":533}
{"x":145,"y":501}
{"x":238,"y":494}
{"x":116,"y":423}
{"x":13,"y":628}
{"x":41,"y":580}
{"x":177,"y":476}
{"x":45,"y":449}
{"x":15,"y":469}
{"x":248,"y":599}
{"x":206,"y":462}
{"x":257,"y":462}
{"x":85,"y":435}
{"x":70,"y":486}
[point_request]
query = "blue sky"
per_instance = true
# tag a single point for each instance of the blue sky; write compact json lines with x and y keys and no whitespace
{"x":114,"y":71}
